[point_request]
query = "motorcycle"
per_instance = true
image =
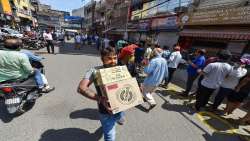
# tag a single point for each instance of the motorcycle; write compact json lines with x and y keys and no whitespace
{"x":33,"y":44}
{"x":20,"y":95}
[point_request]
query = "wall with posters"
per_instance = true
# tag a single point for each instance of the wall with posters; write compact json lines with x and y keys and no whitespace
{"x":167,"y":38}
{"x":238,"y":15}
{"x":165,"y":23}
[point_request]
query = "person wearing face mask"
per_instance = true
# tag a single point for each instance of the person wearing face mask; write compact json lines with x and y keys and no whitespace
{"x":108,"y":120}
{"x":156,"y":71}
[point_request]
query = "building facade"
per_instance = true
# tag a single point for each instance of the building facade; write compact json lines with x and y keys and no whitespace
{"x":49,"y":18}
{"x":157,"y":21}
{"x":6,"y":12}
{"x":89,"y":14}
{"x":78,"y":12}
{"x":23,"y":14}
{"x":217,"y":24}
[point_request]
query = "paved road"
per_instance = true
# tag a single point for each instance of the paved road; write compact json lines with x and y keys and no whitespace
{"x":63,"y":115}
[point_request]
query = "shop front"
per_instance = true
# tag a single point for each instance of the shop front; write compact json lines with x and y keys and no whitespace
{"x":166,"y":30}
{"x":140,"y":30}
{"x":215,"y":40}
{"x":217,"y":29}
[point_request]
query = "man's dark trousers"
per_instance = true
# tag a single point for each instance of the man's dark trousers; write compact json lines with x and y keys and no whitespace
{"x":223,"y":92}
{"x":50,"y":45}
{"x":203,"y":96}
{"x":171,"y":73}
{"x":190,"y":82}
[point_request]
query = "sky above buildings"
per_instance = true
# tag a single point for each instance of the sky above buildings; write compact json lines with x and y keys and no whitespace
{"x":64,"y":5}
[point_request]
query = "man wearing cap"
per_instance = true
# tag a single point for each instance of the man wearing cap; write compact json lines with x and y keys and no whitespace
{"x":156,"y":71}
{"x":173,"y":62}
{"x":197,"y":63}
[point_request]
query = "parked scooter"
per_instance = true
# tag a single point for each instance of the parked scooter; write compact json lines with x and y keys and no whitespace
{"x":33,"y":44}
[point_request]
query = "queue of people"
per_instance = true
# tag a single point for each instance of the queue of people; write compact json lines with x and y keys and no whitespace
{"x":160,"y":64}
{"x":157,"y":64}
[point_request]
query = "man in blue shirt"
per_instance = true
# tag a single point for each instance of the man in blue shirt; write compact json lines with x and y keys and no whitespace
{"x":156,"y":71}
{"x":196,"y":64}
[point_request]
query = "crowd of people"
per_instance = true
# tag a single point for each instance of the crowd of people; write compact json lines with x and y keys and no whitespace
{"x":159,"y":64}
{"x":17,"y":66}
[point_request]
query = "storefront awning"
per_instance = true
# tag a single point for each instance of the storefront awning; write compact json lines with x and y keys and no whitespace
{"x":107,"y":30}
{"x":219,"y":34}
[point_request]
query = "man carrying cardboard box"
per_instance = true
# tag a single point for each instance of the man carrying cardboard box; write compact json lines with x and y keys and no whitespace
{"x":108,"y":120}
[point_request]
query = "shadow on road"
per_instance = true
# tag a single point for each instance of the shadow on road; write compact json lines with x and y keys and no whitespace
{"x":180,"y":108}
{"x":71,"y":134}
{"x":4,"y":116}
{"x":91,"y":114}
{"x":142,"y":108}
{"x":68,"y":48}
{"x":173,"y":94}
{"x":217,"y":136}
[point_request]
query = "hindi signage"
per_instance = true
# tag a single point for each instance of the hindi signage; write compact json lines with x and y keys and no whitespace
{"x":165,"y":23}
{"x":144,"y":25}
{"x":239,"y":15}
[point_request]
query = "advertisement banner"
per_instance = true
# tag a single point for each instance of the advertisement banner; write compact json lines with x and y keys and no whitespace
{"x":165,"y":23}
{"x":6,"y":7}
{"x":239,"y":15}
{"x":144,"y":25}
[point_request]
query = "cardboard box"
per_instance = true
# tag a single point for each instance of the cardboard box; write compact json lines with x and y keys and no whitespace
{"x":123,"y":95}
{"x":113,"y":74}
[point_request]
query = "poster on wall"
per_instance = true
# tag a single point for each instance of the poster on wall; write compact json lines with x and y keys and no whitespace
{"x":144,"y":25}
{"x":165,"y":23}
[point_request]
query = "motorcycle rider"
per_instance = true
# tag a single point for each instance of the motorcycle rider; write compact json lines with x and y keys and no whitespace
{"x":35,"y":61}
{"x":15,"y":66}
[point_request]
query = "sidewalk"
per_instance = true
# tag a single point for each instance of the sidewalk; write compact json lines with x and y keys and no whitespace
{"x":179,"y":81}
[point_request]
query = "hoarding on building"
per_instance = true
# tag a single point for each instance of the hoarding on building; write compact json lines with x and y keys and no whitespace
{"x":144,"y":25}
{"x":239,"y":15}
{"x":6,"y":7}
{"x":165,"y":23}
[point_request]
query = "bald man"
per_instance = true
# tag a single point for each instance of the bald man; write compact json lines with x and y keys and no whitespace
{"x":156,"y":71}
{"x":15,"y":65}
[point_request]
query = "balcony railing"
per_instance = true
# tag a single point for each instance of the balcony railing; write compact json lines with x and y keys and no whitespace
{"x":25,"y":12}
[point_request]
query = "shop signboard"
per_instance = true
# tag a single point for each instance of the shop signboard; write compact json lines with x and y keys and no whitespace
{"x":165,"y":23}
{"x":6,"y":7}
{"x":240,"y":15}
{"x":132,"y":25}
{"x":144,"y":25}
